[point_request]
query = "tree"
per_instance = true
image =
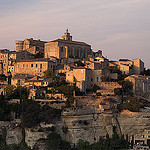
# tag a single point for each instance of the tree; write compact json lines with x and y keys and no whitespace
{"x":126,"y":87}
{"x":83,"y":145}
{"x":48,"y":74}
{"x":53,"y":141}
{"x":118,"y":91}
{"x":95,"y":88}
{"x":31,"y":113}
{"x":9,"y":91}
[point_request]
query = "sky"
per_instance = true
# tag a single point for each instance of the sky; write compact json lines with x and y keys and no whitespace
{"x":120,"y":28}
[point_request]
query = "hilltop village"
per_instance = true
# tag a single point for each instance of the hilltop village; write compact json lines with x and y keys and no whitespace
{"x":62,"y":92}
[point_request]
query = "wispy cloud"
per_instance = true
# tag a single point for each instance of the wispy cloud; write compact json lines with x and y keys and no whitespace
{"x":111,"y":25}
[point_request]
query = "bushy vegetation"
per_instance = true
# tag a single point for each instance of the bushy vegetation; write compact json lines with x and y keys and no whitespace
{"x":131,"y":104}
{"x":114,"y":143}
{"x":4,"y":109}
{"x":16,"y":92}
{"x":55,"y":142}
{"x":145,"y":72}
{"x":114,"y":69}
{"x":95,"y":88}
{"x":79,"y":63}
{"x":33,"y":113}
{"x":126,"y":87}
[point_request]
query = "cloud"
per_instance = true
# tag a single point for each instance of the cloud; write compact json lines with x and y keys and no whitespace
{"x":111,"y":25}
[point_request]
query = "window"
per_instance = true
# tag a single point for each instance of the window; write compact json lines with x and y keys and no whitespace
{"x":19,"y":66}
{"x":40,"y":66}
{"x":61,"y":48}
{"x":31,"y":65}
{"x":97,"y":79}
{"x":36,"y":65}
{"x":81,"y":70}
{"x":97,"y":73}
{"x":23,"y":65}
{"x":27,"y":65}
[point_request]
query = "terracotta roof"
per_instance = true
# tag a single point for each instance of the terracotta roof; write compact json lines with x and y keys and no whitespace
{"x":38,"y":59}
{"x":70,"y":42}
{"x":22,"y":76}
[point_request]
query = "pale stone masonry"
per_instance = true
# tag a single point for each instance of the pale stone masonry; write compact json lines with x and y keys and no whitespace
{"x":34,"y":67}
{"x":66,"y":48}
{"x":140,"y":84}
{"x":31,"y":45}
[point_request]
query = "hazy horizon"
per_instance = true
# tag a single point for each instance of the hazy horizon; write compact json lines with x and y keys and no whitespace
{"x":121,"y":29}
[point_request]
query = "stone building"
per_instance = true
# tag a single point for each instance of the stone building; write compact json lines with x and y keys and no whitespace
{"x":66,"y":48}
{"x":31,"y":45}
{"x":138,"y":66}
{"x":34,"y":66}
{"x":8,"y":59}
{"x":81,"y":76}
{"x":126,"y":66}
{"x":140,"y":84}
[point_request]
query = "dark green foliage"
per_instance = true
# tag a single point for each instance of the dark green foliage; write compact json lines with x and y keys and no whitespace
{"x":9,"y":79}
{"x":145,"y":72}
{"x":61,"y":74}
{"x":48,"y":74}
{"x":9,"y":91}
{"x":83,"y":145}
{"x":19,"y":92}
{"x":79,"y":63}
{"x":118,"y":91}
{"x":114,"y":69}
{"x":39,"y":55}
{"x":4,"y":110}
{"x":131,"y":104}
{"x":49,"y":114}
{"x":95,"y":88}
{"x":53,"y":141}
{"x":148,"y":142}
{"x":98,"y":94}
{"x":126,"y":87}
{"x":2,"y":77}
{"x":65,"y":129}
{"x":68,"y":92}
{"x":31,"y":113}
{"x":65,"y":145}
{"x":52,"y":128}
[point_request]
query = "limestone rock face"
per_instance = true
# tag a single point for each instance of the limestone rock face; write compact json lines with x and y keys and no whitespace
{"x":132,"y":123}
{"x":31,"y":137}
{"x":87,"y":125}
{"x":14,"y":136}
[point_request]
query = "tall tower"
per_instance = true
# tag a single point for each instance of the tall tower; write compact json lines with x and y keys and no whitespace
{"x":67,"y":36}
{"x":19,"y":46}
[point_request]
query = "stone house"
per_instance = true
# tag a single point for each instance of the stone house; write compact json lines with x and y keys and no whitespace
{"x":107,"y":88}
{"x":140,"y":84}
{"x":30,"y":45}
{"x":134,"y":66}
{"x":38,"y":81}
{"x":66,"y":48}
{"x":81,"y":76}
{"x":20,"y":79}
{"x":34,"y":67}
